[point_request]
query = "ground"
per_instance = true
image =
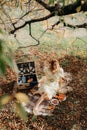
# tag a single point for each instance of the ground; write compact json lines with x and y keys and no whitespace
{"x":70,"y":114}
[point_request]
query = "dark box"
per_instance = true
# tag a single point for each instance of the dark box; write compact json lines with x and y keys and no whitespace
{"x":27,"y":74}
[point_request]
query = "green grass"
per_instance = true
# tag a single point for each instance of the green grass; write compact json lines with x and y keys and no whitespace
{"x":49,"y":42}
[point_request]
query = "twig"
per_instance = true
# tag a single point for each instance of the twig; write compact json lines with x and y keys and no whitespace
{"x":21,"y":47}
{"x":43,"y":33}
{"x":81,"y":40}
{"x":31,"y":21}
{"x":8,"y":17}
{"x":3,"y":23}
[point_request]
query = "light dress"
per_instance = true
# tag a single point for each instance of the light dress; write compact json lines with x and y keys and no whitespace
{"x":51,"y":84}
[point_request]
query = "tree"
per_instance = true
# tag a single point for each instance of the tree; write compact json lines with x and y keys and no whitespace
{"x":6,"y":55}
{"x":33,"y":11}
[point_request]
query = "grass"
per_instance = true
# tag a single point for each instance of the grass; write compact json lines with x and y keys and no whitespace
{"x":49,"y":42}
{"x":65,"y":48}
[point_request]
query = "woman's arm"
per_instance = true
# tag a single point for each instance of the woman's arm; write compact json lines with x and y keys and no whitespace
{"x":61,"y":73}
{"x":42,"y":81}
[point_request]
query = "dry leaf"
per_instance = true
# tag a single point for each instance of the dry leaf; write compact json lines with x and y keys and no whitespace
{"x":21,"y":97}
{"x":5,"y":99}
{"x":78,"y":8}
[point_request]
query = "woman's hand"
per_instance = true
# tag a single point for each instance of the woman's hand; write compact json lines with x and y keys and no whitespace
{"x":42,"y":81}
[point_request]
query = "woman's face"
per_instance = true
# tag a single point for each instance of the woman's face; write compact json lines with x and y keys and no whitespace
{"x":56,"y":65}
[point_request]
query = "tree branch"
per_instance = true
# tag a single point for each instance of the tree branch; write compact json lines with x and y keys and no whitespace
{"x":3,"y":23}
{"x":46,"y":6}
{"x":71,"y":8}
{"x":31,"y":21}
{"x":84,"y":25}
{"x":64,"y":10}
{"x":22,"y":47}
{"x":56,"y":10}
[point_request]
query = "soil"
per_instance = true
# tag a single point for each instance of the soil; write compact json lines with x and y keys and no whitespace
{"x":70,"y":114}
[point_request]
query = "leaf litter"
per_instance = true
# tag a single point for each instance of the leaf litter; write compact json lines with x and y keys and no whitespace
{"x":70,"y":114}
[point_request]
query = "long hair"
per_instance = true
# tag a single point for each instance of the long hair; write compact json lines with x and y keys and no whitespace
{"x":52,"y":62}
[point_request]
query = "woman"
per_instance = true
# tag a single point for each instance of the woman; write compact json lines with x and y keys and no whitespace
{"x":50,"y":84}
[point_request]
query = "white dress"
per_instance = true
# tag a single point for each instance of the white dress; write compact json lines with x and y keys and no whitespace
{"x":51,"y":85}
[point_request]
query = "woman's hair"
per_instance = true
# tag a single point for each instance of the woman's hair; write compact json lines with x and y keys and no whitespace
{"x":50,"y":64}
{"x":50,"y":68}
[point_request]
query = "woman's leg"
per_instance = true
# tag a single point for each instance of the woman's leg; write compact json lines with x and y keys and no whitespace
{"x":36,"y":107}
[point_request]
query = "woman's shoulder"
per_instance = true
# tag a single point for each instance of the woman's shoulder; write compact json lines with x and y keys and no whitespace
{"x":60,"y":72}
{"x":61,"y":69}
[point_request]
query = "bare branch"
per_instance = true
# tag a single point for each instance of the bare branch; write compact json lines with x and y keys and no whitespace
{"x":28,"y":46}
{"x":21,"y":47}
{"x":46,"y":6}
{"x":32,"y":35}
{"x":81,"y":40}
{"x":29,"y":28}
{"x":77,"y":39}
{"x":3,"y":23}
{"x":31,"y":21}
{"x":29,"y":11}
{"x":69,"y":9}
{"x":22,"y":17}
{"x":74,"y":40}
{"x":55,"y":24}
{"x":64,"y":10}
{"x":43,"y":33}
{"x":8,"y":17}
{"x":84,"y":25}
